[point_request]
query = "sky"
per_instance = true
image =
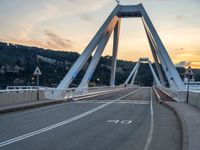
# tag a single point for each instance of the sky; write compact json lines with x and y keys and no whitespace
{"x":69,"y":25}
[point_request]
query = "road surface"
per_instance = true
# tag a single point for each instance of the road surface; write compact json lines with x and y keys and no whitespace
{"x":127,"y":119}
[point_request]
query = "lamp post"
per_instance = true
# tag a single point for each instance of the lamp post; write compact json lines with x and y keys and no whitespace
{"x":188,"y":82}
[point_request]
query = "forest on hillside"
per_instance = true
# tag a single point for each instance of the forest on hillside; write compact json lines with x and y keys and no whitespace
{"x":17,"y":64}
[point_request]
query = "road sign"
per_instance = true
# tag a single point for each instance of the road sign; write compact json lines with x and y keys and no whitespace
{"x":37,"y":71}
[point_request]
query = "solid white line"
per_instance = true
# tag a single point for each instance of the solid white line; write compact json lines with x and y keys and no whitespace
{"x":150,"y":136}
{"x":42,"y":130}
{"x":119,"y":102}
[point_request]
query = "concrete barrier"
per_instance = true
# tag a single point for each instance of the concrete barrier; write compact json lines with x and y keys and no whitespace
{"x":20,"y":97}
{"x":181,"y":96}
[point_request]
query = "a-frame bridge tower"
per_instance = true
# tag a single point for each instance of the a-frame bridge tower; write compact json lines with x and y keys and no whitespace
{"x":99,"y":41}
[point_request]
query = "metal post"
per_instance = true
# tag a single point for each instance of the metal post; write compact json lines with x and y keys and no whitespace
{"x":38,"y":84}
{"x":188,"y":86}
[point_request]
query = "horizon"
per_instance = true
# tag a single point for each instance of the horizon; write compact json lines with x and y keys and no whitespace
{"x":50,"y":25}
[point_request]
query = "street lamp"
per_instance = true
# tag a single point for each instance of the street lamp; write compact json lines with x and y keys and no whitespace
{"x":188,"y":73}
{"x":98,"y":80}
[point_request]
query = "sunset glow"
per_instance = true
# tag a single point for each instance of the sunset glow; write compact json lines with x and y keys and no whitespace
{"x":69,"y":25}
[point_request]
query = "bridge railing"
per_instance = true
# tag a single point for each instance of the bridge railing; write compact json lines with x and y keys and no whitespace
{"x":17,"y":90}
{"x":74,"y":92}
{"x":181,"y":96}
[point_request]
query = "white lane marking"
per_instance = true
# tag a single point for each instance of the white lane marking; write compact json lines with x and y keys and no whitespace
{"x":42,"y":130}
{"x":118,"y":102}
{"x":124,"y":122}
{"x":133,"y":102}
{"x":56,"y":106}
{"x":150,"y":136}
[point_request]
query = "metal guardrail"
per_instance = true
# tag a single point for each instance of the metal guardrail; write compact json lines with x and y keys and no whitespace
{"x":21,"y":89}
{"x":17,"y":90}
{"x":181,"y":96}
{"x":74,"y":92}
{"x":68,"y":93}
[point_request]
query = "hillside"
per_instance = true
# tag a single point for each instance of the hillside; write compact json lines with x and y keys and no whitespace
{"x":17,"y":64}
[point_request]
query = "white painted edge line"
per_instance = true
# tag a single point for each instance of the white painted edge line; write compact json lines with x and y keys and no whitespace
{"x":118,"y":102}
{"x":42,"y":130}
{"x":150,"y":136}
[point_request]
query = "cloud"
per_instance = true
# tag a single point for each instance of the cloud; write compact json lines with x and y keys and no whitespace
{"x":180,"y":49}
{"x":56,"y":42}
{"x":50,"y":41}
{"x":182,"y":17}
{"x":183,"y":64}
{"x":86,"y":17}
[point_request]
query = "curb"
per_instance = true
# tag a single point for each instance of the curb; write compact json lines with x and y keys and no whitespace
{"x":12,"y":109}
{"x":184,"y":145}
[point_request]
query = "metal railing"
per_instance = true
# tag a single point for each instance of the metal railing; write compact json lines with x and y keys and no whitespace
{"x":21,"y":89}
{"x":50,"y":93}
{"x":74,"y":92}
{"x":181,"y":96}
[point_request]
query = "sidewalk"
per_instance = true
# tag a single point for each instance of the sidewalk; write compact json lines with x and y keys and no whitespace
{"x":190,"y":117}
{"x":28,"y":105}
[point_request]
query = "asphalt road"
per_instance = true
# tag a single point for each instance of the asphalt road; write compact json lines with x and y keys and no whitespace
{"x":127,"y":119}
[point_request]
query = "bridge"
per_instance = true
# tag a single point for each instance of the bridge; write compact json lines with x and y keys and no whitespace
{"x":126,"y":116}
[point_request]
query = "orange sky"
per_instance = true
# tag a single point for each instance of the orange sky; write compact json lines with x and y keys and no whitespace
{"x":70,"y":25}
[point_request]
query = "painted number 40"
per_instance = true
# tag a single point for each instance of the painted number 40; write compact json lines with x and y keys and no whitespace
{"x":120,"y":121}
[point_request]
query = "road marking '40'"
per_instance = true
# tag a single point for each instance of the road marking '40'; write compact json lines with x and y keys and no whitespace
{"x":120,"y":121}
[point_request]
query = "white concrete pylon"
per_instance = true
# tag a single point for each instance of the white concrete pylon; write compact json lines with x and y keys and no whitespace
{"x":154,"y":74}
{"x":131,"y":74}
{"x":121,"y":11}
{"x":91,"y":68}
{"x":169,"y":68}
{"x":74,"y":70}
{"x":153,"y":51}
{"x":134,"y":75}
{"x":115,"y":51}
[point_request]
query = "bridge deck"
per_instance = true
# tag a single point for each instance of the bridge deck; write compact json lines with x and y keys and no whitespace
{"x":119,"y":120}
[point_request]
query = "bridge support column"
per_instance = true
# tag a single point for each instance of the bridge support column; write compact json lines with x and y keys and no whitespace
{"x":134,"y":75}
{"x":72,"y":73}
{"x":154,"y":74}
{"x":170,"y":71}
{"x":160,"y":74}
{"x":131,"y":74}
{"x":91,"y":68}
{"x":115,"y":51}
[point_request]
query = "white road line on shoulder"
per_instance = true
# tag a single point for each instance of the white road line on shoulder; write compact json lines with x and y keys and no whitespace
{"x":150,"y":136}
{"x":118,"y":102}
{"x":48,"y":128}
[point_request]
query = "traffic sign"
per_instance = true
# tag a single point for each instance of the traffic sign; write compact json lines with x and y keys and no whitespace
{"x":37,"y":71}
